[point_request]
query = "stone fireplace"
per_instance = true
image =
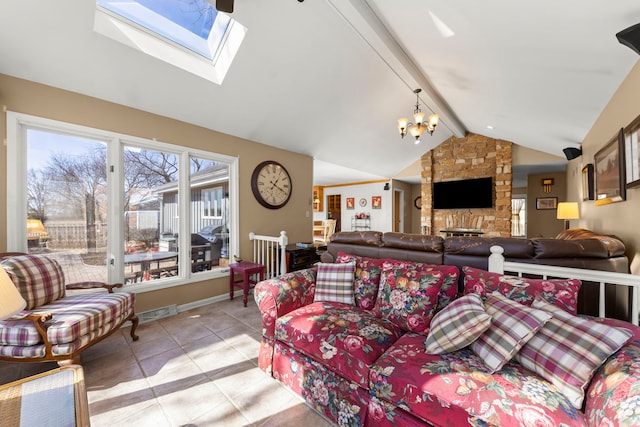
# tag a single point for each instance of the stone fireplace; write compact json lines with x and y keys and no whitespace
{"x":474,"y":156}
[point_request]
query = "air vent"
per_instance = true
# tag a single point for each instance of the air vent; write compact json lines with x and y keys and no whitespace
{"x":158,"y":313}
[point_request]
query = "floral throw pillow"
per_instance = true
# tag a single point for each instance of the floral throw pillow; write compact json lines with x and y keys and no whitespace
{"x":562,"y":293}
{"x":367,"y":278}
{"x":408,"y":297}
{"x":458,"y":325}
{"x":568,"y":350}
{"x":450,"y":274}
{"x":334,"y":283}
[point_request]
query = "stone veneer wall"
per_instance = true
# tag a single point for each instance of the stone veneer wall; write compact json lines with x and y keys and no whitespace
{"x":474,"y":156}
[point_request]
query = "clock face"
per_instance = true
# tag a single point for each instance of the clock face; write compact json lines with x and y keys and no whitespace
{"x":271,"y":184}
{"x":363,"y":202}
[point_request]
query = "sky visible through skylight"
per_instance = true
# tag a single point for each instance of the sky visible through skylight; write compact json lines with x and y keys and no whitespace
{"x":186,"y":22}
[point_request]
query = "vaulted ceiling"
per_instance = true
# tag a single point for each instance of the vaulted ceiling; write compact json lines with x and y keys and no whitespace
{"x":329,"y":78}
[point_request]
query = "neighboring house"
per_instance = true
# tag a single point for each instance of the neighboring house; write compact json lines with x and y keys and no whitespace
{"x":209,"y":203}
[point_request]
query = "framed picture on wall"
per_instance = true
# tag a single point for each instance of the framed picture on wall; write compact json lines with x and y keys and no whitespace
{"x":587,"y":182}
{"x":351,"y":203}
{"x":376,"y":202}
{"x":610,"y":172}
{"x":544,"y":203}
{"x":632,"y":153}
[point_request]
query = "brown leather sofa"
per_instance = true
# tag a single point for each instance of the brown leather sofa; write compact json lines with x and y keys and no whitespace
{"x":576,"y":248}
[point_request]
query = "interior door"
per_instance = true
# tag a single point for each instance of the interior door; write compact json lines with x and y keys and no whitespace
{"x":334,"y":210}
{"x":398,"y":225}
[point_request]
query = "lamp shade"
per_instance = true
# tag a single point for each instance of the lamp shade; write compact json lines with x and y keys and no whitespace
{"x":568,"y":210}
{"x":11,"y":301}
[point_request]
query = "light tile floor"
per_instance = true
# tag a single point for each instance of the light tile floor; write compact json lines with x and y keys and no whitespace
{"x":198,"y":368}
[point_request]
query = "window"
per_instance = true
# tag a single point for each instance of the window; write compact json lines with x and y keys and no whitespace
{"x":518,"y":216}
{"x":212,"y":203}
{"x":189,"y":34}
{"x":108,"y":204}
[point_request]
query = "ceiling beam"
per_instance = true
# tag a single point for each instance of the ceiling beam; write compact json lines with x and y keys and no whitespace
{"x":366,"y":23}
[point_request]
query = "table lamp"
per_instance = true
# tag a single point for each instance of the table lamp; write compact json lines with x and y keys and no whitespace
{"x":11,"y":301}
{"x":567,"y":211}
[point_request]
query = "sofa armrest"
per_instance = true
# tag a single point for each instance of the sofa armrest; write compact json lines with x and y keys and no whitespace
{"x":613,"y":398}
{"x":283,"y":294}
{"x":92,"y":285}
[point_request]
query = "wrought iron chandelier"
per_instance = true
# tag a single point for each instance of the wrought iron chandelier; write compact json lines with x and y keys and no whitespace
{"x":419,"y":126}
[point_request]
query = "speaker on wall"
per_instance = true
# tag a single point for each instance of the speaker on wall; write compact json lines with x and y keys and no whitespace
{"x":630,"y":37}
{"x":572,"y":153}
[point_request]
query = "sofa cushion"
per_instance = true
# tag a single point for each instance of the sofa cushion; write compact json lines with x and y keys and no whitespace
{"x":568,"y":350}
{"x":39,"y":278}
{"x":458,"y":325}
{"x":367,"y":278}
{"x":408,"y":296}
{"x":512,"y":325}
{"x":72,"y":318}
{"x":454,"y":390}
{"x":334,"y":282}
{"x":345,"y":338}
{"x":560,"y":292}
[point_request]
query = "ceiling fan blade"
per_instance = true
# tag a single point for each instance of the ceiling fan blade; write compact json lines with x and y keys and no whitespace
{"x":224,"y":6}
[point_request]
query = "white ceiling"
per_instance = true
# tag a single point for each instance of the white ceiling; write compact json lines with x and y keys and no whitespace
{"x":328,"y":78}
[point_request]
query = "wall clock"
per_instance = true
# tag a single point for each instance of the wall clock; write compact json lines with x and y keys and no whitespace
{"x":271,"y":184}
{"x":418,"y":202}
{"x":363,"y":202}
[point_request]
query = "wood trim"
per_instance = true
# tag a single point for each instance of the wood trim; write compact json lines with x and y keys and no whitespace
{"x":377,"y":181}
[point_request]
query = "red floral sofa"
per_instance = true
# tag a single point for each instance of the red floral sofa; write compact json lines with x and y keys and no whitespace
{"x":363,"y":364}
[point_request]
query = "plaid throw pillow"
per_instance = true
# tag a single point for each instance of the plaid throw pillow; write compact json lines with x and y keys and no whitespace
{"x":334,"y":282}
{"x":513,"y":324}
{"x":568,"y":350}
{"x":457,"y":325}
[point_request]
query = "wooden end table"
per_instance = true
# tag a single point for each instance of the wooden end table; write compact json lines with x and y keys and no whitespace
{"x":246,"y":269}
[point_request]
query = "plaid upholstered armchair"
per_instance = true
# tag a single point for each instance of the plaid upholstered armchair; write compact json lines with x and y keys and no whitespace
{"x":54,"y":326}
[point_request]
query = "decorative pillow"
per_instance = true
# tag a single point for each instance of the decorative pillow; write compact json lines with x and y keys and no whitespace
{"x":512,"y":325}
{"x":367,"y":278}
{"x":568,"y":350}
{"x":408,"y":297}
{"x":450,"y":273}
{"x":334,"y":282}
{"x":559,"y":292}
{"x":457,"y":325}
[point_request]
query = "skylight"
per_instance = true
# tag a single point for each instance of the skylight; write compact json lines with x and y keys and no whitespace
{"x":190,"y":34}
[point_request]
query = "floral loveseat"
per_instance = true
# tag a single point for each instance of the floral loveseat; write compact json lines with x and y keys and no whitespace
{"x":359,"y":354}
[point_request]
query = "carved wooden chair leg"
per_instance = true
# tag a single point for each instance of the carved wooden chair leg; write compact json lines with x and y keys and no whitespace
{"x":75,"y":360}
{"x":134,"y":324}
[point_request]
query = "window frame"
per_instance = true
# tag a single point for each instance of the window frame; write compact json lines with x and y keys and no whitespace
{"x":16,"y":212}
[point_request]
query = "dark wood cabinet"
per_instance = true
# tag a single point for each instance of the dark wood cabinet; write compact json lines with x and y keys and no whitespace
{"x":300,"y":258}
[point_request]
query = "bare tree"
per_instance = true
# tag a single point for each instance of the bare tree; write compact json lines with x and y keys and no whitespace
{"x":37,"y":194}
{"x":81,"y":181}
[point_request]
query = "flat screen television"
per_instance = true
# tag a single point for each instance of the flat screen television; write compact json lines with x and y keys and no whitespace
{"x":463,"y":194}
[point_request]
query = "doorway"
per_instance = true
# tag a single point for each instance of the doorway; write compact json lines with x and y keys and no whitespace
{"x":398,"y":211}
{"x":334,"y":210}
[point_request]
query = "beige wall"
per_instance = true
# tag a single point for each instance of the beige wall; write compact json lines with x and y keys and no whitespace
{"x":31,"y":98}
{"x":619,"y":218}
{"x":543,"y":223}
